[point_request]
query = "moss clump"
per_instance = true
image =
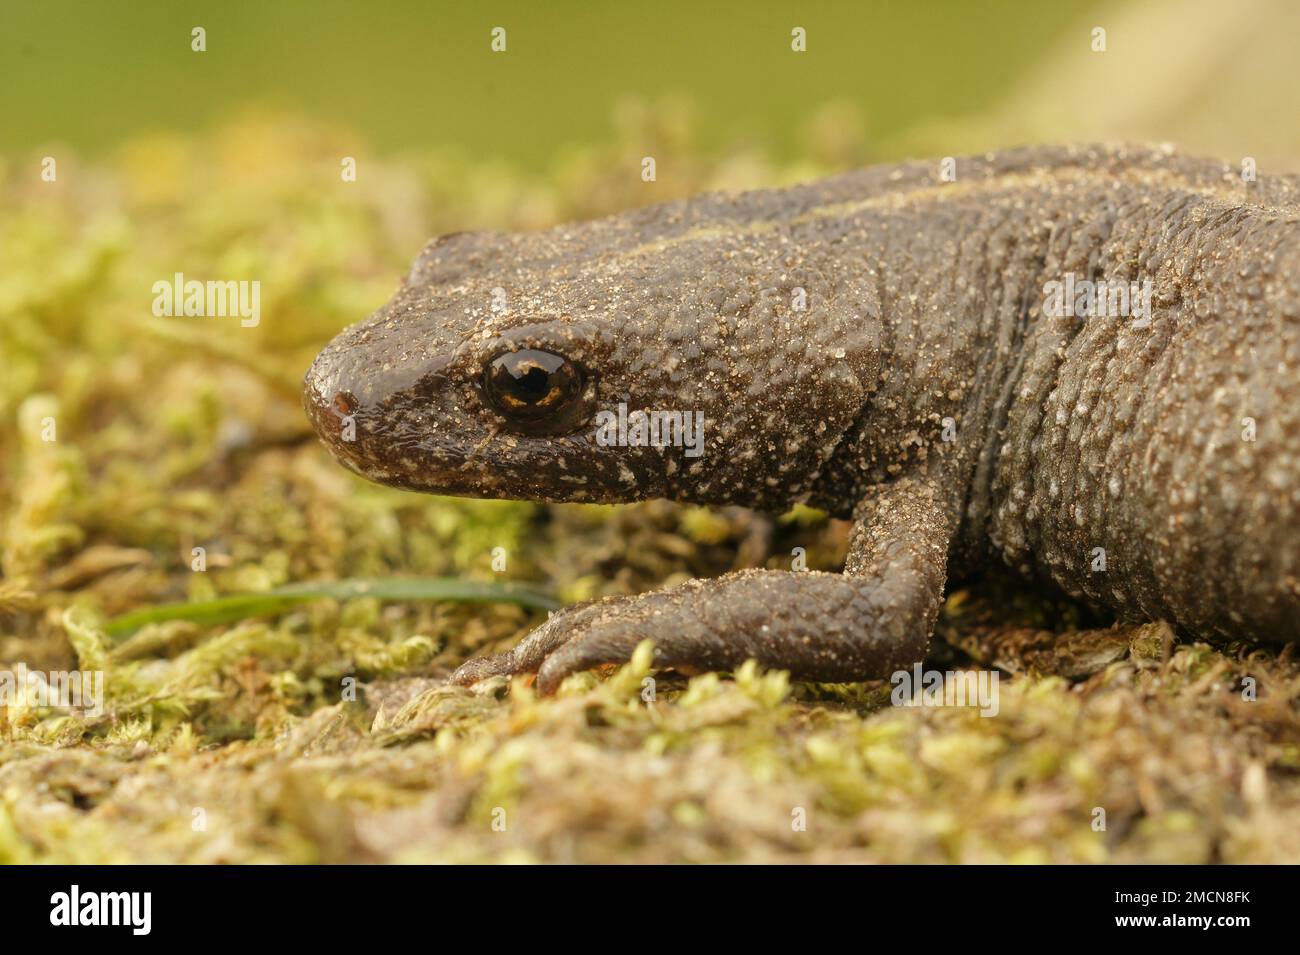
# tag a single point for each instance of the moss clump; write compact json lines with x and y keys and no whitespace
{"x":326,"y":733}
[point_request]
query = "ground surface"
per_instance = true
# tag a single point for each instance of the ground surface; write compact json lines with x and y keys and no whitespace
{"x":242,"y":742}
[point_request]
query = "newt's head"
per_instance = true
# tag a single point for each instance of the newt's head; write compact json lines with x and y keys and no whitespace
{"x":612,"y":361}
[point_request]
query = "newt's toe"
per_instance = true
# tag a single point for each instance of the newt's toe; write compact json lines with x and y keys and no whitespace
{"x":480,"y":668}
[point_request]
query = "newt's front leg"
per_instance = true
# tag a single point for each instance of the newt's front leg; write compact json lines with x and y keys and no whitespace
{"x":866,"y":623}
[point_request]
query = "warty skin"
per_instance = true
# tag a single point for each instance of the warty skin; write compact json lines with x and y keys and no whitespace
{"x":875,"y":344}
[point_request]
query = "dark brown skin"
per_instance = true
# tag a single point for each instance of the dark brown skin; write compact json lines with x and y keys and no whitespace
{"x":920,"y":389}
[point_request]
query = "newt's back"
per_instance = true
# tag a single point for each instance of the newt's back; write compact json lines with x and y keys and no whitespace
{"x":1151,"y":460}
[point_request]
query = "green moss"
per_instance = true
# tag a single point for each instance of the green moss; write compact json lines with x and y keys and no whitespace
{"x":325,"y":732}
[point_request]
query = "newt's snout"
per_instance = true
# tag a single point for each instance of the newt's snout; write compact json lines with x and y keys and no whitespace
{"x":365,"y":402}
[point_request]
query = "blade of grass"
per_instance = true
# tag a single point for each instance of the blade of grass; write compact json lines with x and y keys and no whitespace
{"x":238,"y":606}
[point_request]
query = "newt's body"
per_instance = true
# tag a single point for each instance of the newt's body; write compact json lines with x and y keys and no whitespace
{"x":876,"y":345}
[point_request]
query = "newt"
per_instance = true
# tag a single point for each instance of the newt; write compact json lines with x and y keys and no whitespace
{"x":1082,"y":361}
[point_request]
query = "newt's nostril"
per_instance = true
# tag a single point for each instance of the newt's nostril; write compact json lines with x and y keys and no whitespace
{"x":345,"y":403}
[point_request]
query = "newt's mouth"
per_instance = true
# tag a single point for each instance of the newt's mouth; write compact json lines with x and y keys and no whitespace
{"x":359,"y":440}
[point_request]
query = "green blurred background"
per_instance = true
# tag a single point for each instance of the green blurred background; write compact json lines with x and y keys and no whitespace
{"x":419,"y":74}
{"x":946,"y":76}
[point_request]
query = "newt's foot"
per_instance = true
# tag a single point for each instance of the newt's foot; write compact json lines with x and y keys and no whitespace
{"x":817,"y":626}
{"x":565,"y":629}
{"x":864,"y":624}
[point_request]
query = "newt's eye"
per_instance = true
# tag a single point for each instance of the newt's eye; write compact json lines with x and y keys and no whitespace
{"x":532,"y":386}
